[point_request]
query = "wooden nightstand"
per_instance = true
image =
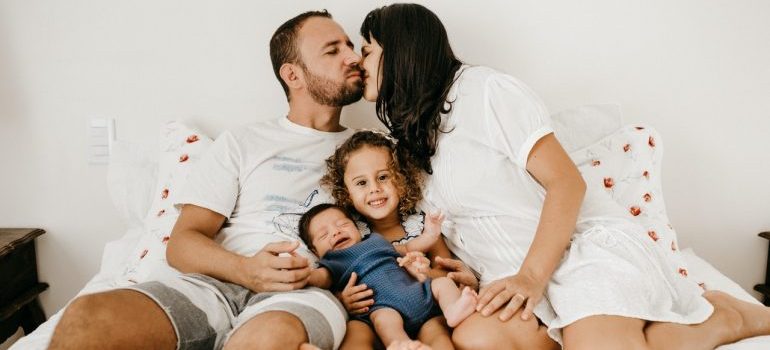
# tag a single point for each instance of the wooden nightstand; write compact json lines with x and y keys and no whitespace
{"x":765,"y":288}
{"x":19,"y":287}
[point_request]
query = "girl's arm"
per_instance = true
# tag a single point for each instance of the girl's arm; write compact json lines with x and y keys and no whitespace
{"x":550,"y":165}
{"x":321,"y":278}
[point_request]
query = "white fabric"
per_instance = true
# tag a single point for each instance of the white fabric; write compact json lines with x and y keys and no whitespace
{"x":268,"y":167}
{"x":581,"y":126}
{"x":493,"y":209}
{"x":131,"y":175}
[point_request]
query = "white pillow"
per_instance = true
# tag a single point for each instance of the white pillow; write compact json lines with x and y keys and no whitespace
{"x":582,"y":126}
{"x":181,"y":147}
{"x":131,"y":177}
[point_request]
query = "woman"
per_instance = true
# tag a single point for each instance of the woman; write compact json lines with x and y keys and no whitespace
{"x":518,"y":203}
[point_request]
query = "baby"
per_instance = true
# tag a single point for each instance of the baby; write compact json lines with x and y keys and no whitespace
{"x":405,"y":298}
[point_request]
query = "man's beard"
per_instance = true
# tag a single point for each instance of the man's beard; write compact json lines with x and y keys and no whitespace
{"x":330,"y":93}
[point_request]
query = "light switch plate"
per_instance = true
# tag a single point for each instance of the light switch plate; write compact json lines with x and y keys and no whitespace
{"x":101,"y":134}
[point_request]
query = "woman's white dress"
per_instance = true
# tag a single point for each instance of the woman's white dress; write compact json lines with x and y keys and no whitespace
{"x":493,"y":208}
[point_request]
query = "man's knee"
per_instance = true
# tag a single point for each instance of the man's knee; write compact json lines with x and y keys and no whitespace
{"x":269,"y":330}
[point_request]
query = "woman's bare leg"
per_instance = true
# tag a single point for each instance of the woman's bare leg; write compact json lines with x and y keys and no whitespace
{"x":732,"y":320}
{"x":479,"y":332}
{"x":435,"y":333}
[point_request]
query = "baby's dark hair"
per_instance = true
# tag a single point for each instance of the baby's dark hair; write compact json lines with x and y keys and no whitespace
{"x":407,"y":177}
{"x":304,"y":221}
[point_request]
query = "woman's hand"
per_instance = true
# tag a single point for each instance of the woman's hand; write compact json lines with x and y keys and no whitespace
{"x":356,"y":298}
{"x":515,"y":292}
{"x":458,"y":272}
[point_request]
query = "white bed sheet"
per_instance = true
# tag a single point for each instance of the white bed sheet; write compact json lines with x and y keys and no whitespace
{"x":114,"y":258}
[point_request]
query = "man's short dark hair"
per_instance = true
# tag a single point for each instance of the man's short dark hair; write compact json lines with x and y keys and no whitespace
{"x":283,"y":44}
{"x":304,"y":221}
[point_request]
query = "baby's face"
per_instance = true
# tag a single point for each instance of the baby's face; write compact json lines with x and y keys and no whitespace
{"x":332,"y":230}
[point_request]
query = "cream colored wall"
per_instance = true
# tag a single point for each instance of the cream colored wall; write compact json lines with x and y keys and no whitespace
{"x":696,"y":70}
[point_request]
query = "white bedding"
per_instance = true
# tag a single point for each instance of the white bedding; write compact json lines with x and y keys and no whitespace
{"x":115,"y":252}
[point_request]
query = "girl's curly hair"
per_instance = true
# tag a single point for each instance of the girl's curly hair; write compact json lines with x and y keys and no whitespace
{"x":407,"y":177}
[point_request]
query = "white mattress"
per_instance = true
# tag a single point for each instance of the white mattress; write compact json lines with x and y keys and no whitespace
{"x":114,"y":257}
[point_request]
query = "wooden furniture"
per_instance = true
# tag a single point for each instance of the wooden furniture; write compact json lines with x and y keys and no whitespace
{"x":19,"y":287}
{"x":765,"y":288}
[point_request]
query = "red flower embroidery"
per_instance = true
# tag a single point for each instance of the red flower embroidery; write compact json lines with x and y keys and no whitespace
{"x":192,"y":138}
{"x":626,"y":148}
{"x":161,"y":212}
{"x":647,"y":197}
{"x":609,"y":182}
{"x":683,"y":272}
{"x":165,"y":239}
{"x":651,"y":141}
{"x":596,"y":163}
{"x":144,"y":252}
{"x":183,"y":158}
{"x":673,"y":246}
{"x":635,"y":211}
{"x":646,"y":174}
{"x":653,"y":235}
{"x":164,"y":193}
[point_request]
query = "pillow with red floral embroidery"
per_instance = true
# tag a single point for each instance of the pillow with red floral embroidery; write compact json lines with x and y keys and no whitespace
{"x":627,"y":166}
{"x":181,"y":146}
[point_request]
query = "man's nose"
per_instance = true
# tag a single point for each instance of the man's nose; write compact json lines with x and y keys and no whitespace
{"x":352,"y":58}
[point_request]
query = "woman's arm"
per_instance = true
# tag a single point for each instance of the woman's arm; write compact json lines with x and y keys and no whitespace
{"x":550,"y":165}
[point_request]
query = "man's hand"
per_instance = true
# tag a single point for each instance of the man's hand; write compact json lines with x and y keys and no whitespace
{"x":268,"y":272}
{"x":416,"y":264}
{"x":356,"y":298}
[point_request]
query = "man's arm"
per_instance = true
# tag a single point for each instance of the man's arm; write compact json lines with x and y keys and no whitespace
{"x":191,"y":248}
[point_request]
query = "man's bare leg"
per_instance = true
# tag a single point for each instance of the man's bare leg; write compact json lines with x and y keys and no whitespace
{"x":269,"y":330}
{"x":119,"y":319}
{"x":478,"y":332}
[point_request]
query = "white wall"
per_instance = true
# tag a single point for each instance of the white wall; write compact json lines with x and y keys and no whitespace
{"x":695,"y":69}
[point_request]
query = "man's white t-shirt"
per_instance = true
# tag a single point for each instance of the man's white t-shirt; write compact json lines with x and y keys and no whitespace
{"x":257,"y":172}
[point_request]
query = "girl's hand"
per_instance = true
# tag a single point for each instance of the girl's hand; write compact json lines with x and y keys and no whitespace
{"x":416,"y":264}
{"x":515,"y":292}
{"x":356,"y":298}
{"x":460,"y":273}
{"x":433,"y":223}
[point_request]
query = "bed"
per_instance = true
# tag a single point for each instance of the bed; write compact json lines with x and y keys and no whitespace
{"x":142,"y":179}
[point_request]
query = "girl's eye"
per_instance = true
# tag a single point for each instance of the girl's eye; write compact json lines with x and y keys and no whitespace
{"x":383,"y":177}
{"x":361,"y":183}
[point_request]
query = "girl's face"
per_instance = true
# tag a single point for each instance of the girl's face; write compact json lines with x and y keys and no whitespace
{"x":370,"y":183}
{"x":371,"y":55}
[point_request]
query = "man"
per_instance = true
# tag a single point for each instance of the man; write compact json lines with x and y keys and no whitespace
{"x":243,"y":282}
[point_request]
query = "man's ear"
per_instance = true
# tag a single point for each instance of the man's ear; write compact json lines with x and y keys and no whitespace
{"x":291,"y":75}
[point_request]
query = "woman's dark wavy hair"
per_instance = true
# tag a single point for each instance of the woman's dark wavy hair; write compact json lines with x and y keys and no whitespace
{"x":418,"y":68}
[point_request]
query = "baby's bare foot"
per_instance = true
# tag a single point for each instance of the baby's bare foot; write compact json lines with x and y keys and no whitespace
{"x":462,"y":308}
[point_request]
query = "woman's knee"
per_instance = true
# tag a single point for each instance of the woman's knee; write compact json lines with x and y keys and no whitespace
{"x":478,"y":332}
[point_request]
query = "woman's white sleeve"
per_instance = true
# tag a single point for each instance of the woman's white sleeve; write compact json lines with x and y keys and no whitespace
{"x":515,"y":117}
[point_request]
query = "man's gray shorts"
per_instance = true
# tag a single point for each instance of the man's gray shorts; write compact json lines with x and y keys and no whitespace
{"x":205,"y":311}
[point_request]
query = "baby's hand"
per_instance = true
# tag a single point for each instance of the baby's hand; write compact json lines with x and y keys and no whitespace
{"x":433,"y":223}
{"x":416,"y":264}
